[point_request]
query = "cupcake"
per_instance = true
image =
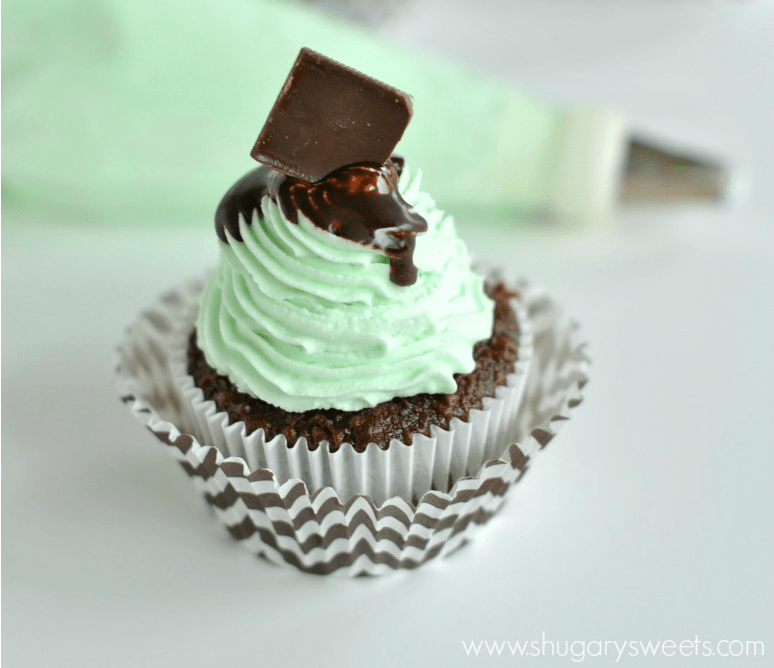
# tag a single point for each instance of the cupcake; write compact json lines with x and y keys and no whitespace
{"x":346,"y":391}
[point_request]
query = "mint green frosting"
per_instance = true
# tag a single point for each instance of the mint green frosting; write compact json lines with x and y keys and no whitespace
{"x":306,"y":320}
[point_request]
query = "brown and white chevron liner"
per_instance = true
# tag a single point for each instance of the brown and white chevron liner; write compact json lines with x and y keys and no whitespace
{"x":318,"y":532}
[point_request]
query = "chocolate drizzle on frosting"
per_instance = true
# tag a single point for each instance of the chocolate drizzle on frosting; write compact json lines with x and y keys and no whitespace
{"x":360,"y":202}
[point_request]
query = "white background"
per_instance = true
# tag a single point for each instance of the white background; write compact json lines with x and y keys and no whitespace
{"x":649,"y":517}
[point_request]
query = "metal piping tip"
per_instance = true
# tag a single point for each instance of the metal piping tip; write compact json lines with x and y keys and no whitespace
{"x":655,"y":175}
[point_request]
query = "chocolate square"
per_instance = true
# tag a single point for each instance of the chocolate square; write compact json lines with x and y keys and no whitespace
{"x":329,"y":116}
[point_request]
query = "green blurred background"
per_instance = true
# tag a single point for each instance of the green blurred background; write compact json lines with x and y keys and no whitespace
{"x":120,"y":112}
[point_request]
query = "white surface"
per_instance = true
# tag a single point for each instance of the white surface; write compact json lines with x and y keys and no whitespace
{"x":648,"y":518}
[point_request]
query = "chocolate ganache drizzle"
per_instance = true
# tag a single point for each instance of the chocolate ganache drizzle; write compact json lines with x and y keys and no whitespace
{"x":359,"y":202}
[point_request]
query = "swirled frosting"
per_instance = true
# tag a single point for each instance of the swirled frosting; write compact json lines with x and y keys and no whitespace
{"x":306,"y":319}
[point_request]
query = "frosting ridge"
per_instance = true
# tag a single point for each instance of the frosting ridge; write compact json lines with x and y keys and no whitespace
{"x":306,"y":319}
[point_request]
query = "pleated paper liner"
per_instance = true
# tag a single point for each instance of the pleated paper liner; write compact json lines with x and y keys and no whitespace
{"x":408,"y":471}
{"x":318,"y":526}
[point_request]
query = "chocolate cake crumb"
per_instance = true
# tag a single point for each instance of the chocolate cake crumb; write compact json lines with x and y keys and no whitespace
{"x":398,"y":418}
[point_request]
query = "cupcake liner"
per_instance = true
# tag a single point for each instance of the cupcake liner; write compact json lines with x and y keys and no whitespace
{"x":324,"y":529}
{"x":431,"y":461}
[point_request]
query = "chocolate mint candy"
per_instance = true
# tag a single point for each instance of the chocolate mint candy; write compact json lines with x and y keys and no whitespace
{"x":328,"y":116}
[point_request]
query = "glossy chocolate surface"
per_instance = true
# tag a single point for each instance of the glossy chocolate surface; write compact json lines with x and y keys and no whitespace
{"x":328,"y":116}
{"x":360,"y":203}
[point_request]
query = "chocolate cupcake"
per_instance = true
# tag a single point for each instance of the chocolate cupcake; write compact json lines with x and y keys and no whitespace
{"x":344,"y":388}
{"x":325,"y":355}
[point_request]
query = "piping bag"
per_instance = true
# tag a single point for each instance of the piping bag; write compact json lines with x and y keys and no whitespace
{"x":118,"y":111}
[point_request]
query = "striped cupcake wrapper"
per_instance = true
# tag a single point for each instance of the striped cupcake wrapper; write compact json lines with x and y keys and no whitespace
{"x":312,"y":527}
